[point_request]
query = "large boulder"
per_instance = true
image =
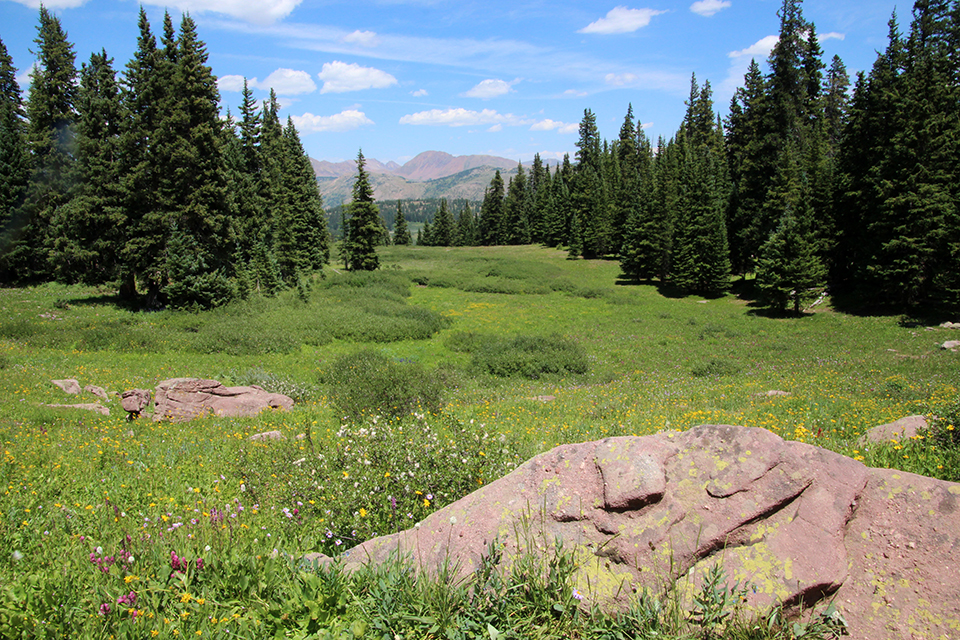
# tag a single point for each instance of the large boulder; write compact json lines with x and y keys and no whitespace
{"x":182,"y":399}
{"x":902,"y":429}
{"x":797,"y":523}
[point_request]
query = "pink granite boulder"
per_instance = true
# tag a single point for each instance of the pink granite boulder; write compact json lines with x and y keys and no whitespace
{"x":182,"y":399}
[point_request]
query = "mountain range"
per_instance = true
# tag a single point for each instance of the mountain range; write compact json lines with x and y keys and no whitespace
{"x":431,"y":174}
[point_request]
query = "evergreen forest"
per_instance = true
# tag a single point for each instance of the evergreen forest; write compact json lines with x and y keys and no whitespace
{"x":812,"y":182}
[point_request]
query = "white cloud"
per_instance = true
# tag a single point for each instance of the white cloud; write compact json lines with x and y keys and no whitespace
{"x":346,"y":120}
{"x":646,"y":125}
{"x":550,"y":125}
{"x":759,"y":49}
{"x":419,"y":93}
{"x":340,"y":77}
{"x":495,"y":128}
{"x":461,"y":117}
{"x":621,"y":20}
{"x":709,"y":7}
{"x":490,"y":89}
{"x":362,"y":38}
{"x":833,"y":35}
{"x":620,"y":79}
{"x":574,"y":93}
{"x":23,"y":78}
{"x":740,"y":62}
{"x":286,"y":82}
{"x":255,"y":11}
{"x":230,"y":83}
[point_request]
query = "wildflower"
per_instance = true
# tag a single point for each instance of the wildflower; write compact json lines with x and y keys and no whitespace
{"x":363,"y":512}
{"x":104,"y":609}
{"x":577,"y":595}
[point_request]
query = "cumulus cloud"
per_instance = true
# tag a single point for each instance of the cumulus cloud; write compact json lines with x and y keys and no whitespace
{"x":495,"y":128}
{"x":461,"y":117}
{"x":419,"y":93}
{"x":490,"y":89}
{"x":286,"y":82}
{"x":340,"y":77}
{"x":621,"y":20}
{"x":620,"y":79}
{"x":24,"y":78}
{"x":362,"y":38}
{"x":740,"y":62}
{"x":709,"y":7}
{"x":346,"y":120}
{"x":833,"y":35}
{"x":574,"y":93}
{"x":256,"y":11}
{"x":550,"y":125}
{"x":759,"y":49}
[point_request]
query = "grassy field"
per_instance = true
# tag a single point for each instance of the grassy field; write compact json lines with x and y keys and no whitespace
{"x":187,"y":517}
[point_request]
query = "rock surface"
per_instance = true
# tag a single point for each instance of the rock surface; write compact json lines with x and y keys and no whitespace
{"x":134,"y":401}
{"x":89,"y":406}
{"x":182,"y":399}
{"x":69,"y":385}
{"x":950,"y":345}
{"x":97,"y":391}
{"x":902,"y":429}
{"x":797,"y":522}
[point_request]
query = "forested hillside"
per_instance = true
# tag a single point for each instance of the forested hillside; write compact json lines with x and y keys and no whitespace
{"x":807,"y":182}
{"x":134,"y":179}
{"x":803,"y":183}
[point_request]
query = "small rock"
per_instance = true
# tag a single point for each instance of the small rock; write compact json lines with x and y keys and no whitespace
{"x":775,"y":393}
{"x":69,"y":385}
{"x":950,"y":325}
{"x":134,"y":401}
{"x":97,"y":391}
{"x":902,"y":429}
{"x":546,"y":398}
{"x":92,"y":406}
{"x":951,"y":345}
{"x":267,"y":435}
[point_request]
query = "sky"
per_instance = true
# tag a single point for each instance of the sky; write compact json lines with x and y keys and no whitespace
{"x":507,"y":78}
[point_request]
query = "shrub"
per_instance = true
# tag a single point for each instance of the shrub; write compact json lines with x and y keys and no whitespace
{"x":368,"y":383}
{"x":529,"y":357}
{"x":714,"y":367}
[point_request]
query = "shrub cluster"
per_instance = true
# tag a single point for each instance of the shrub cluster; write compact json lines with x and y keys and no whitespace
{"x":530,"y":357}
{"x":368,"y":383}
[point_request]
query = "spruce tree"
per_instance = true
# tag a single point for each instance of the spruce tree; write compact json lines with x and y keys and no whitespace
{"x":14,"y":155}
{"x":401,"y":233}
{"x":364,"y":223}
{"x":444,"y":226}
{"x":790,"y":271}
{"x":466,"y":233}
{"x":51,"y":115}
{"x":91,"y":229}
{"x":514,"y":225}
{"x":492,"y":212}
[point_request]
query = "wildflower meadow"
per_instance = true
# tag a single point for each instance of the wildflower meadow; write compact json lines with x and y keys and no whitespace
{"x":414,"y":386}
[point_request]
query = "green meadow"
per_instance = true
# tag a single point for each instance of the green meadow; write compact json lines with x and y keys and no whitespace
{"x":414,"y":385}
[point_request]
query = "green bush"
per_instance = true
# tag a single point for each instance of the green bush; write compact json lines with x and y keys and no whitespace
{"x":368,"y":383}
{"x":714,"y":367}
{"x":530,"y":357}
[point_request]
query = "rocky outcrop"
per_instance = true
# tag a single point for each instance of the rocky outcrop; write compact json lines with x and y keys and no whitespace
{"x":182,"y":399}
{"x":88,"y":406}
{"x":798,"y":523}
{"x":69,"y":385}
{"x":134,"y":401}
{"x":902,"y":429}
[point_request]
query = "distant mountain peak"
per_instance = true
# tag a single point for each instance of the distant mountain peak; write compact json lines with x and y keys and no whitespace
{"x":428,"y":165}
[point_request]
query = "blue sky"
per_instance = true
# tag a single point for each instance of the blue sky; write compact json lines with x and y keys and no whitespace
{"x":507,"y":78}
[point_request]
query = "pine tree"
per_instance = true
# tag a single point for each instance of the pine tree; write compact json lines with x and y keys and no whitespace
{"x":51,"y":115}
{"x":514,"y":227}
{"x":790,"y":270}
{"x":145,"y":84}
{"x":492,"y":212}
{"x":646,"y":231}
{"x":466,"y":233}
{"x":443,"y":227}
{"x":364,"y":223}
{"x":14,"y":156}
{"x":538,"y":183}
{"x":587,"y":191}
{"x":557,"y":217}
{"x":195,"y":190}
{"x":90,"y":230}
{"x":401,"y":233}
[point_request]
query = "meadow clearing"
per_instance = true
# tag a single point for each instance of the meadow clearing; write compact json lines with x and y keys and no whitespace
{"x":141,"y":529}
